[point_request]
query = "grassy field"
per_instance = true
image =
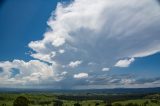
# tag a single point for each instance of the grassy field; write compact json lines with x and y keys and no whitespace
{"x":139,"y":102}
{"x":46,"y":99}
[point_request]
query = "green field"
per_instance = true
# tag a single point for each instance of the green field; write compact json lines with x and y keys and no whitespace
{"x":139,"y":102}
{"x":47,"y":99}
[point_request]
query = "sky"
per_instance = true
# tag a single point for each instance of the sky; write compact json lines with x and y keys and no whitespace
{"x":79,"y":44}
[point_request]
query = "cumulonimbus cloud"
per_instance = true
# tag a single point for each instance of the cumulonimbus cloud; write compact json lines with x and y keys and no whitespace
{"x":114,"y":30}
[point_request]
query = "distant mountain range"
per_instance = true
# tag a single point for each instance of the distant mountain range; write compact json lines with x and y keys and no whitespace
{"x":92,"y":91}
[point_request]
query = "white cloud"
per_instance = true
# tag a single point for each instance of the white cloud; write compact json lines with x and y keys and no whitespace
{"x":124,"y":63}
{"x":30,"y":72}
{"x":61,"y":51}
{"x":81,"y":75}
{"x":64,"y":73}
{"x":37,"y":46}
{"x":45,"y":57}
{"x":74,"y":64}
{"x":105,"y":69}
{"x":58,"y":41}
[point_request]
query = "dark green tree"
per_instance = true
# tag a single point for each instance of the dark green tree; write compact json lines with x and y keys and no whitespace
{"x":3,"y":104}
{"x":117,"y":104}
{"x":97,"y":104}
{"x":77,"y":104}
{"x":21,"y":101}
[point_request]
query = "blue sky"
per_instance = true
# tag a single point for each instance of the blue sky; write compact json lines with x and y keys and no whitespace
{"x":22,"y":21}
{"x":57,"y":43}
